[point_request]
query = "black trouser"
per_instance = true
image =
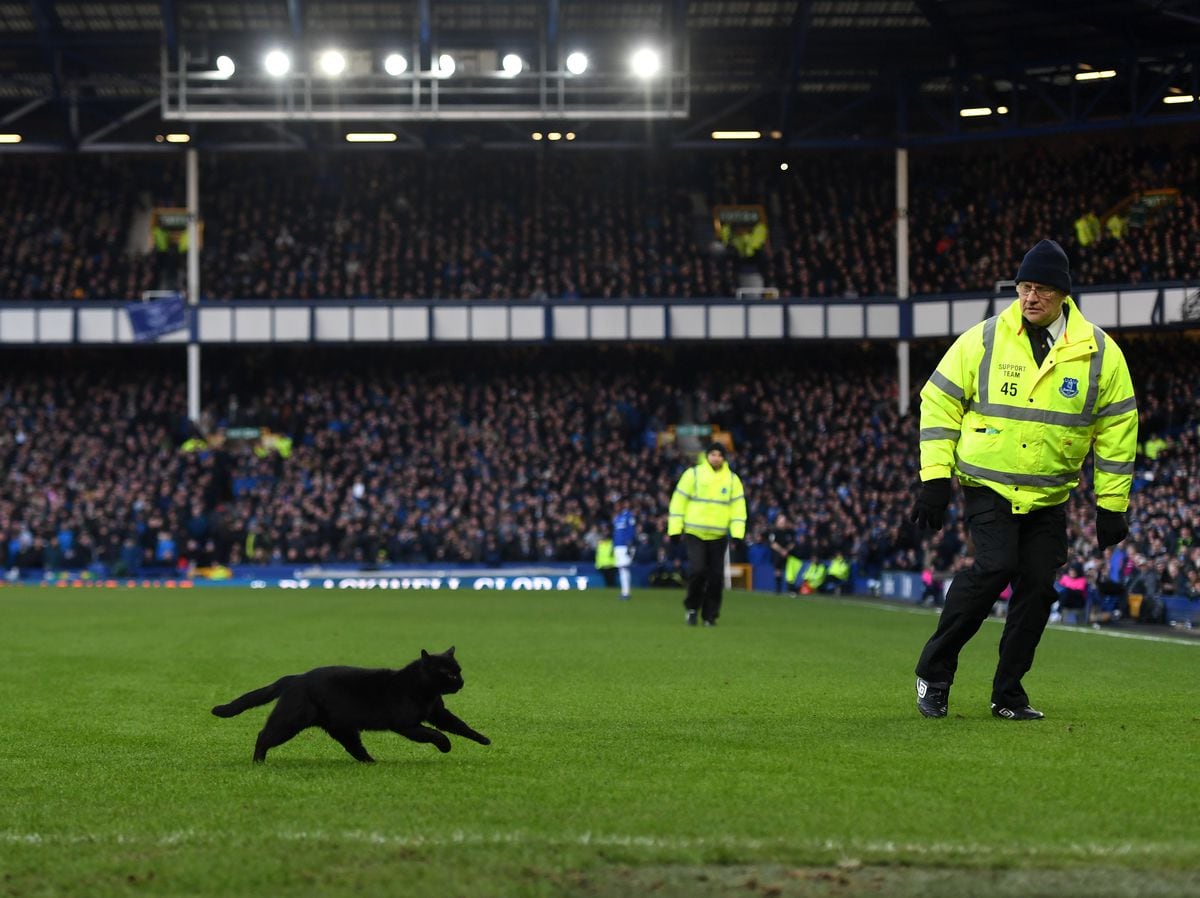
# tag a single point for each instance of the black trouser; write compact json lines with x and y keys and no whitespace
{"x":706,"y":575}
{"x":1025,"y":550}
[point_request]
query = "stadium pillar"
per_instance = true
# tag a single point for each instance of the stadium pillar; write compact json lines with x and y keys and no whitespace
{"x":902,"y":374}
{"x":193,"y":283}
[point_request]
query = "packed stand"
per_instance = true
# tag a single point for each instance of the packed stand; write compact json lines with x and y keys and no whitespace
{"x":384,"y":461}
{"x":76,"y":227}
{"x":466,"y":225}
{"x":974,"y":214}
{"x":546,"y":225}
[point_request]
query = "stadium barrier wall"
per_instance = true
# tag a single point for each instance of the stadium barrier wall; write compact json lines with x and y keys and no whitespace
{"x":572,"y":577}
{"x":1179,"y":611}
{"x":550,"y":576}
{"x":541,"y":577}
{"x":906,"y":586}
{"x":903,"y":586}
{"x":97,"y":323}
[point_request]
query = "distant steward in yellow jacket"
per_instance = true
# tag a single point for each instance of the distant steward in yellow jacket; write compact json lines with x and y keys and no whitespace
{"x":707,"y":508}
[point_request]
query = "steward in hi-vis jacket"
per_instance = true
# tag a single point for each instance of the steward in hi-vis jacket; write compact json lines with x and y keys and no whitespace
{"x":707,"y":507}
{"x":1013,"y":409}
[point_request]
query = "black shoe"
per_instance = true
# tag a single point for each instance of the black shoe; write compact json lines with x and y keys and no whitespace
{"x":710,"y":623}
{"x":1026,"y":713}
{"x":933,"y":699}
{"x":691,"y":618}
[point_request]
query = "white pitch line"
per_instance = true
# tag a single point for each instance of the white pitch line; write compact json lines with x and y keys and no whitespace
{"x":843,"y":848}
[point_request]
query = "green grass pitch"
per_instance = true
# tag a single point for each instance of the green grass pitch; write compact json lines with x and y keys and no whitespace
{"x":777,"y":754}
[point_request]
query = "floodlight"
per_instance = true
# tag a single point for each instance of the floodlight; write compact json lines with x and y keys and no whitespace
{"x":975,"y":111}
{"x":512,"y":64}
{"x":10,"y":138}
{"x":332,"y":63}
{"x":577,"y":63}
{"x":371,"y":137}
{"x":445,"y":65}
{"x":645,"y":63}
{"x":277,"y":63}
{"x":1178,"y":98}
{"x":395,"y":64}
{"x":225,"y":66}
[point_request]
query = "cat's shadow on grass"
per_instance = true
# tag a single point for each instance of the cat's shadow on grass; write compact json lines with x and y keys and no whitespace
{"x":311,"y":764}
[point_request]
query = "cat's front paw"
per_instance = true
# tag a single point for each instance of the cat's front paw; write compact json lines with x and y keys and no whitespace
{"x":443,"y":744}
{"x":482,"y":739}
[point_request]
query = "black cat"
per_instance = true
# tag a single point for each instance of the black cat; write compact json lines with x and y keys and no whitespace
{"x":346,"y":700}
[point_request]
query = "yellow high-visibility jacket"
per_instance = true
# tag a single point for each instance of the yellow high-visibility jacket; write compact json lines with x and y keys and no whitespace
{"x":815,"y":575}
{"x":606,"y":557}
{"x":708,"y":504}
{"x":994,"y":418}
{"x":839,"y":567}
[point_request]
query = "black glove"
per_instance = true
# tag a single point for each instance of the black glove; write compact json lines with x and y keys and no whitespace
{"x":1110,"y":527}
{"x":930,"y":511}
{"x":674,"y":538}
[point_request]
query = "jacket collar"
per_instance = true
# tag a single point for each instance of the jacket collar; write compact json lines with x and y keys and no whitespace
{"x":1079,"y":329}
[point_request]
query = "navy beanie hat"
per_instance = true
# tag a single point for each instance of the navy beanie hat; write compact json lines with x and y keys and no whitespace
{"x":1046,"y":264}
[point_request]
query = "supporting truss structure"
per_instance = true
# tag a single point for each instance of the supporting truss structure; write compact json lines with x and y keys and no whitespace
{"x":478,"y":91}
{"x":98,"y":76}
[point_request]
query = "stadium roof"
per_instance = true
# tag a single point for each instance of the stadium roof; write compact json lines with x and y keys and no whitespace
{"x":106,"y":75}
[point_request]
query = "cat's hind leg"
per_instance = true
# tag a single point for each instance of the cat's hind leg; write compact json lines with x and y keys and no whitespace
{"x":287,"y":719}
{"x":352,"y":742}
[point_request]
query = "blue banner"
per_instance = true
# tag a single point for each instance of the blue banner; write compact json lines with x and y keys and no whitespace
{"x":562,"y":583}
{"x":150,"y":320}
{"x":903,"y":585}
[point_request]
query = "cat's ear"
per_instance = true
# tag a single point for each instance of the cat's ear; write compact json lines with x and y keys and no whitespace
{"x":424,"y":654}
{"x":450,"y":651}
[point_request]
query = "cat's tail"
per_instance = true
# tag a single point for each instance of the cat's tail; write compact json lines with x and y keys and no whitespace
{"x":251,"y":699}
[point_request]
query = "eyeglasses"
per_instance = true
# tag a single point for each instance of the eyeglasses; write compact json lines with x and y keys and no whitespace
{"x":1025,"y":288}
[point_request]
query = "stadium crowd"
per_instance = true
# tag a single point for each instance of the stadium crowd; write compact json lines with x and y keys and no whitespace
{"x":568,"y":225}
{"x":384,"y":460}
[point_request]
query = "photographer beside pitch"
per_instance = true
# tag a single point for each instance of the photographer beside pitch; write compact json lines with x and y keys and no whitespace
{"x":1012,"y":409}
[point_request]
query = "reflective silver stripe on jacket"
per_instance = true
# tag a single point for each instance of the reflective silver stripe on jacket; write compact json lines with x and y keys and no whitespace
{"x":1113,"y":467}
{"x":947,"y":386}
{"x":696,"y":487}
{"x":939,"y":433}
{"x":1011,"y":479}
{"x":1042,"y":416}
{"x":1116,"y":409}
